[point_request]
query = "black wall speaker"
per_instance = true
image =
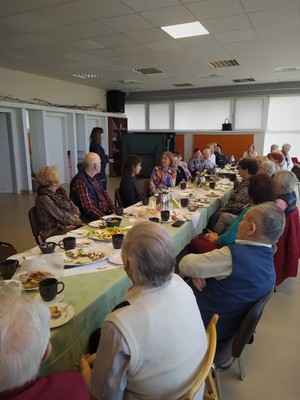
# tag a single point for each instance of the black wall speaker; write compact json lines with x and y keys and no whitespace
{"x":115,"y":101}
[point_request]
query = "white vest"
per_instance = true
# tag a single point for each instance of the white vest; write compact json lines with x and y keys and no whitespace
{"x":166,"y":338}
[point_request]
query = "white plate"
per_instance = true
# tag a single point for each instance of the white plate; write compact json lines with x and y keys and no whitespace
{"x":65,"y":317}
{"x":78,"y":233}
{"x":14,"y":284}
{"x":56,"y":238}
{"x":83,"y":260}
{"x":57,"y":298}
{"x":109,"y":231}
{"x":94,"y":224}
{"x":116,"y":259}
{"x":84,"y":242}
{"x":18,"y":276}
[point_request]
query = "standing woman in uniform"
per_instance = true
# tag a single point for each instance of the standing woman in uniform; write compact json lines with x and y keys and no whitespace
{"x":95,"y":147}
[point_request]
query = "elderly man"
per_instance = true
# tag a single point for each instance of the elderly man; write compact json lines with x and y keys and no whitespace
{"x":229,"y":280}
{"x":152,"y":347}
{"x":24,"y":345}
{"x":87,"y":192}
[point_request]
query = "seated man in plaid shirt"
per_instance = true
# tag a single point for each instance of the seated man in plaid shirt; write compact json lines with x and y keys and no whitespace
{"x":87,"y":193}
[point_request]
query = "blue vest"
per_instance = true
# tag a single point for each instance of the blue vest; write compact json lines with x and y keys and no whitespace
{"x":253,"y":275}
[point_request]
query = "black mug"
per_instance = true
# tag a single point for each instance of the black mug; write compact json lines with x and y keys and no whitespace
{"x":184,"y":202}
{"x":49,"y":288}
{"x":117,"y":240}
{"x":145,"y":201}
{"x":119,"y":211}
{"x":68,"y":243}
{"x":212,"y":185}
{"x":183,"y":185}
{"x":8,"y":268}
{"x":165,"y":215}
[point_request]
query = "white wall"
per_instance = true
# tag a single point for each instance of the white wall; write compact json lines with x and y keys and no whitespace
{"x":24,"y":86}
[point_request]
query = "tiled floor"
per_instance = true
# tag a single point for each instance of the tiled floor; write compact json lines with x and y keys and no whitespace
{"x":271,"y":362}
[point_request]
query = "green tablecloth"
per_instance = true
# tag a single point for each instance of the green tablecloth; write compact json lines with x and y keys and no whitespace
{"x":94,"y":295}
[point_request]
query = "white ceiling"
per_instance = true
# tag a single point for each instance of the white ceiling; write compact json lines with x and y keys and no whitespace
{"x":110,"y":38}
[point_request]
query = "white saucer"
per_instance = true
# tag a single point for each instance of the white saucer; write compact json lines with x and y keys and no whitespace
{"x":57,"y":299}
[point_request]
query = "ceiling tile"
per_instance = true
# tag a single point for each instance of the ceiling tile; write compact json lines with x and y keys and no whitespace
{"x":145,"y":5}
{"x":225,"y":24}
{"x":114,"y":40}
{"x":28,"y":22}
{"x":33,"y":4}
{"x":287,"y":15}
{"x":163,"y":45}
{"x":148,"y":35}
{"x":127,"y":23}
{"x":89,"y":29}
{"x":62,"y":15}
{"x":169,"y":16}
{"x":102,"y":9}
{"x":260,"y":5}
{"x":7,"y":9}
{"x":215,"y":8}
{"x":235,"y":36}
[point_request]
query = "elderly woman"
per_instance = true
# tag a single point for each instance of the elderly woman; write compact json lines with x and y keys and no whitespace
{"x":152,"y":346}
{"x":24,"y":346}
{"x":250,"y":152}
{"x":55,"y":211}
{"x":285,"y":151}
{"x":286,"y":182}
{"x":129,"y":186}
{"x":278,"y":159}
{"x":164,"y":175}
{"x":180,"y":172}
{"x":196,"y":163}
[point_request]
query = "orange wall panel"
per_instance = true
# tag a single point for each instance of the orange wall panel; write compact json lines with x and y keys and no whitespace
{"x":231,"y":144}
{"x":180,"y":143}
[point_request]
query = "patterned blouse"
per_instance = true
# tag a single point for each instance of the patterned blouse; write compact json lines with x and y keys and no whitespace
{"x":162,"y":179}
{"x":196,"y":164}
{"x":239,"y":198}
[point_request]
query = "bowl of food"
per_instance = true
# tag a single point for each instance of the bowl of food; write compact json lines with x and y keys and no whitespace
{"x":192,"y":207}
{"x":113,"y":221}
{"x":47,"y":247}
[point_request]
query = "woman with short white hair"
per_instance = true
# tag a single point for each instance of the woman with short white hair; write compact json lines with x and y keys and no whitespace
{"x":24,"y":346}
{"x":286,"y":182}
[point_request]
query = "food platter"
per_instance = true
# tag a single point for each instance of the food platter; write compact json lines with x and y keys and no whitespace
{"x":31,"y":280}
{"x":106,"y":233}
{"x":79,"y":257}
{"x":67,"y":313}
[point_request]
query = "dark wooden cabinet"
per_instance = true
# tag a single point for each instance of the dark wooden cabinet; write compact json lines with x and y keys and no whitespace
{"x":116,"y":128}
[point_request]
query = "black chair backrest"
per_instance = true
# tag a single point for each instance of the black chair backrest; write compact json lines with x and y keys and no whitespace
{"x":247,"y":327}
{"x":145,"y":186}
{"x":34,"y":224}
{"x":6,"y":250}
{"x":118,"y":198}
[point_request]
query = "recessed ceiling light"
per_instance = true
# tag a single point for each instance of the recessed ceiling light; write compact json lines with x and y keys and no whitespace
{"x":86,"y":75}
{"x":185,"y":30}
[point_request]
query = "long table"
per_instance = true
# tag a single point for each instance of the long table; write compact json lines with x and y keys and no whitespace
{"x":94,"y":295}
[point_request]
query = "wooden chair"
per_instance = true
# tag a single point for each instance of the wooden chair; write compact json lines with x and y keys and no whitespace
{"x":6,"y":250}
{"x":118,"y":198}
{"x":34,"y":225}
{"x":205,"y":367}
{"x":230,"y":351}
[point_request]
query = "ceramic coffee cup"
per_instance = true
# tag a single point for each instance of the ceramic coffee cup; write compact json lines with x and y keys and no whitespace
{"x":8,"y":268}
{"x":49,"y":288}
{"x":117,"y":240}
{"x":212,"y":185}
{"x":184,"y":202}
{"x":119,"y":211}
{"x":183,"y":185}
{"x":165,"y":215}
{"x":68,"y":243}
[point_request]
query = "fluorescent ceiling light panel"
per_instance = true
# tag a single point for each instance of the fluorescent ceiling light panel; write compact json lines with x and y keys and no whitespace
{"x":185,"y":30}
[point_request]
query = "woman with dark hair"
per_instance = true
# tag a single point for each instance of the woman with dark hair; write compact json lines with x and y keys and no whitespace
{"x":130,"y":191}
{"x":261,"y":188}
{"x":221,"y":158}
{"x":95,"y":147}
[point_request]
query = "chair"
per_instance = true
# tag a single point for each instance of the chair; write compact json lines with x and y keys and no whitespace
{"x":287,"y":254}
{"x":205,"y":367}
{"x":118,"y":198}
{"x":145,"y":187}
{"x":228,"y":352}
{"x":6,"y":250}
{"x":34,"y":225}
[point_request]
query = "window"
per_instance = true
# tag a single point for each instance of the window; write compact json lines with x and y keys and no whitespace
{"x":136,"y":114}
{"x":249,"y":113}
{"x":159,"y":116}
